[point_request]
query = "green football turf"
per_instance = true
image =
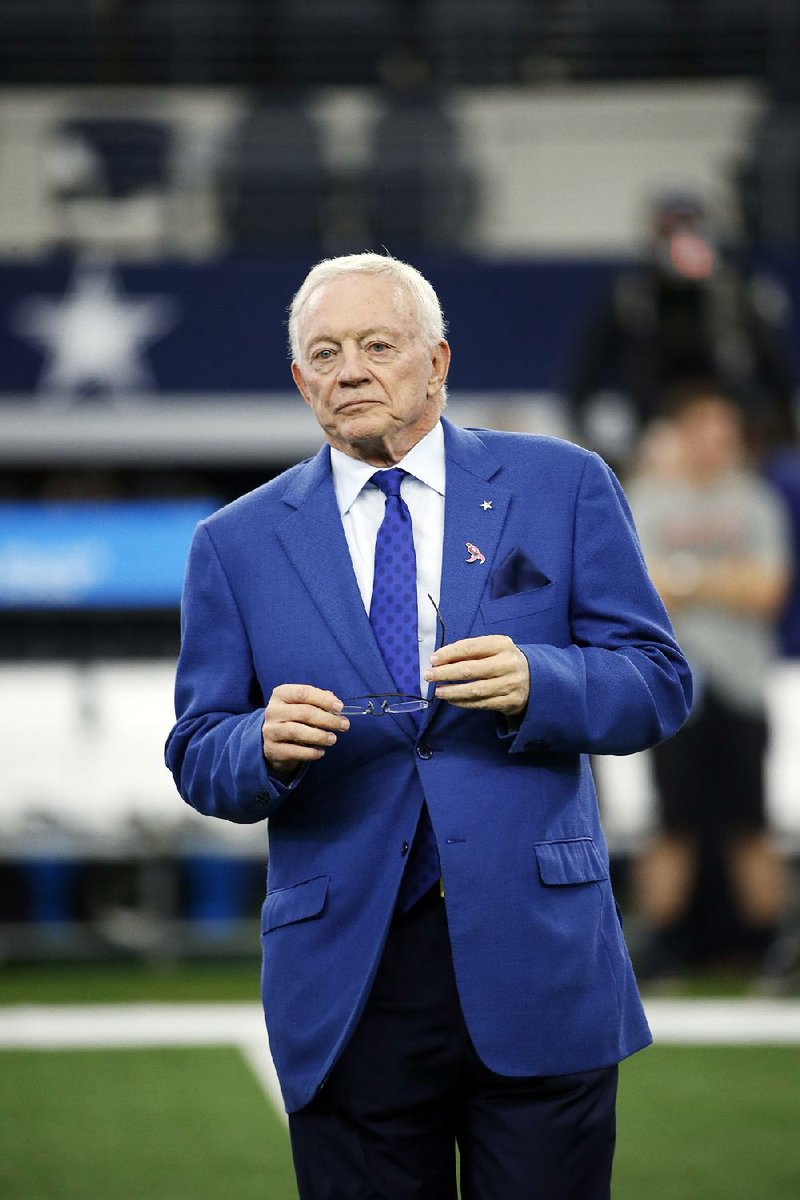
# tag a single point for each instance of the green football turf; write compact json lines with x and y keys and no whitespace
{"x":709,"y":1123}
{"x":129,"y":983}
{"x":156,"y":1124}
{"x":695,"y":1123}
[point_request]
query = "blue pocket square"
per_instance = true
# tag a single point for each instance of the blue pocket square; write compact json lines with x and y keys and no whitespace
{"x":516,"y":573}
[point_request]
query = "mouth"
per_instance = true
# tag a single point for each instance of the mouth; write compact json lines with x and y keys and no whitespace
{"x":353,"y":404}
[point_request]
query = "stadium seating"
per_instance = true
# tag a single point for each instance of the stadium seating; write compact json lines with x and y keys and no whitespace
{"x":82,"y":748}
{"x":272,"y":178}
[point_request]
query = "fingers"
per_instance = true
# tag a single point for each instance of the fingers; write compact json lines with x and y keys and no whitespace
{"x":306,"y":705}
{"x":297,"y":733}
{"x":300,"y":723}
{"x":472,"y":658}
{"x":489,"y":672}
{"x":495,"y":694}
{"x":467,"y":648}
{"x":470,"y":668}
{"x":304,"y":693}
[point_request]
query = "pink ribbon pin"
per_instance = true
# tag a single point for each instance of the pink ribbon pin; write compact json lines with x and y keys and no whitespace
{"x":474,"y":554}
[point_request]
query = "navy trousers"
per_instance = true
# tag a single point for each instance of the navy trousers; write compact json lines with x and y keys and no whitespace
{"x":409,"y":1087}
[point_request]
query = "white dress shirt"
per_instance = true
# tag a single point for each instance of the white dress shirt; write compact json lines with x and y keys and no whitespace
{"x":362,"y":507}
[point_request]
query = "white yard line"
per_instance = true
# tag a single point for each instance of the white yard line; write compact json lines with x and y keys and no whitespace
{"x":106,"y":1025}
{"x":259,"y":1059}
{"x":60,"y":1027}
{"x":100,"y":1026}
{"x":127,"y":1026}
{"x":724,"y":1022}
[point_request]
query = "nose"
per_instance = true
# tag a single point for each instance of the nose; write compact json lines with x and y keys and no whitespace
{"x":352,"y":368}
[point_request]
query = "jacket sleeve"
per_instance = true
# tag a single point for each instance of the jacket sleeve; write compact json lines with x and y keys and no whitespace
{"x":215,"y":750}
{"x":622,"y":684}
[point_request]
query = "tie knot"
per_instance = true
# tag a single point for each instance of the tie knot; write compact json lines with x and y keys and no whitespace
{"x":389,"y":481}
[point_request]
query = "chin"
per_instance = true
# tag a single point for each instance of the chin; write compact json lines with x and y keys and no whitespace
{"x":363,"y":427}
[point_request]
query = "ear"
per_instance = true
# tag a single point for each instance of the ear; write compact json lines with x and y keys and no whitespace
{"x":440,"y":365}
{"x":300,"y":383}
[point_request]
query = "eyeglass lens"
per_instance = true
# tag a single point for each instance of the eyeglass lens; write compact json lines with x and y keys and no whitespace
{"x":376,"y":705}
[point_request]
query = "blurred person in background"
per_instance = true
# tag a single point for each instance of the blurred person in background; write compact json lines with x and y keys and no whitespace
{"x":782,"y":468}
{"x":715,"y":539}
{"x":687,"y":311}
{"x":443,"y":961}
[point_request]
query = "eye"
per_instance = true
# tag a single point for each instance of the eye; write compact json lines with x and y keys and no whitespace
{"x":323,"y":355}
{"x":378,"y":347}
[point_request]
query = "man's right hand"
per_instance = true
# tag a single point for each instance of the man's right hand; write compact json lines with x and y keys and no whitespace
{"x":300,"y":723}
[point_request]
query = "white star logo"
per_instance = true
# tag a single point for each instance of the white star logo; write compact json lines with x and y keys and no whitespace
{"x":93,"y":337}
{"x":486,"y":505}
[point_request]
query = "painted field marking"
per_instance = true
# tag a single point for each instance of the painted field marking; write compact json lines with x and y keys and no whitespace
{"x":106,"y":1026}
{"x":724,"y":1022}
{"x":131,"y":1026}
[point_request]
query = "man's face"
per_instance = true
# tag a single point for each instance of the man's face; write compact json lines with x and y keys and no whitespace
{"x":711,"y":434}
{"x":374,"y":386}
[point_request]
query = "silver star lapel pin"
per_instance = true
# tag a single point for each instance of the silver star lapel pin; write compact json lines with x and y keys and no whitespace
{"x":486,"y":505}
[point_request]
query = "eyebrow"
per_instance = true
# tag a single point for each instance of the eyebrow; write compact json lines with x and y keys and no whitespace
{"x":385,"y":330}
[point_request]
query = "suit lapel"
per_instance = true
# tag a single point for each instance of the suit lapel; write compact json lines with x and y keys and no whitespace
{"x":314,"y":540}
{"x":470,"y":481}
{"x":469,"y":484}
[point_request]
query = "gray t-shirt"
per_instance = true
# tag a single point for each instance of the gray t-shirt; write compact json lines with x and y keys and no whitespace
{"x":738,"y":516}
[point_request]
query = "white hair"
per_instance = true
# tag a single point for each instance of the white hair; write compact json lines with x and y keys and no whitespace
{"x":430,"y":319}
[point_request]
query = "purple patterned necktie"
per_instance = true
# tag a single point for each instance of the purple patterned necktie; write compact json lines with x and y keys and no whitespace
{"x":393,"y":616}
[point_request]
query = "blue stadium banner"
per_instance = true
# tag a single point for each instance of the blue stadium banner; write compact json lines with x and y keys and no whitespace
{"x":72,"y":330}
{"x":110,"y":555}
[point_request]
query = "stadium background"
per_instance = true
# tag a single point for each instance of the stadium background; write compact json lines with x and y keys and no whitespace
{"x":168,"y":172}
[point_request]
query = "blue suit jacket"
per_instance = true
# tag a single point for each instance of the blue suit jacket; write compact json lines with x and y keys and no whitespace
{"x":270,"y":597}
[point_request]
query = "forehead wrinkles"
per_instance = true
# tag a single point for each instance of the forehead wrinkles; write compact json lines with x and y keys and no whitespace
{"x":399,"y":315}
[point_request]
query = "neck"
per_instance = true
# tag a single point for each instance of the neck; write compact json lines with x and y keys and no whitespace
{"x":379,"y":454}
{"x":704,"y":476}
{"x":384,"y":451}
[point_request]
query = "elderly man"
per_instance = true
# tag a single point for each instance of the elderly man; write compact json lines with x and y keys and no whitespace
{"x":401,"y":653}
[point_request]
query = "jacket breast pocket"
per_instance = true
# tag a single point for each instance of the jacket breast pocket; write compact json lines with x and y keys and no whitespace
{"x":575,"y":860}
{"x":519,"y":604}
{"x":286,"y":906}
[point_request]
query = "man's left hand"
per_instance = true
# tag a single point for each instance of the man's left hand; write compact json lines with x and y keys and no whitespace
{"x":483,"y":672}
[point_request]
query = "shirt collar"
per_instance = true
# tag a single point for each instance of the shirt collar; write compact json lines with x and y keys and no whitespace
{"x":425,"y":461}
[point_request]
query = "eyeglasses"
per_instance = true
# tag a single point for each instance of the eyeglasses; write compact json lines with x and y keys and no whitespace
{"x":378,"y":703}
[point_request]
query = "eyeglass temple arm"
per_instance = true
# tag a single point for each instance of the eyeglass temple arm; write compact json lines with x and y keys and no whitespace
{"x":439,"y":616}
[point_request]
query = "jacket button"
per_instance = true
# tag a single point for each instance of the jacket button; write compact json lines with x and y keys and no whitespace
{"x":404,"y":849}
{"x":424,"y":750}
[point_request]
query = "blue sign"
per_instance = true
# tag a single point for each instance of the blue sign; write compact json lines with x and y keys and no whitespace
{"x":114,"y":555}
{"x":72,"y":330}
